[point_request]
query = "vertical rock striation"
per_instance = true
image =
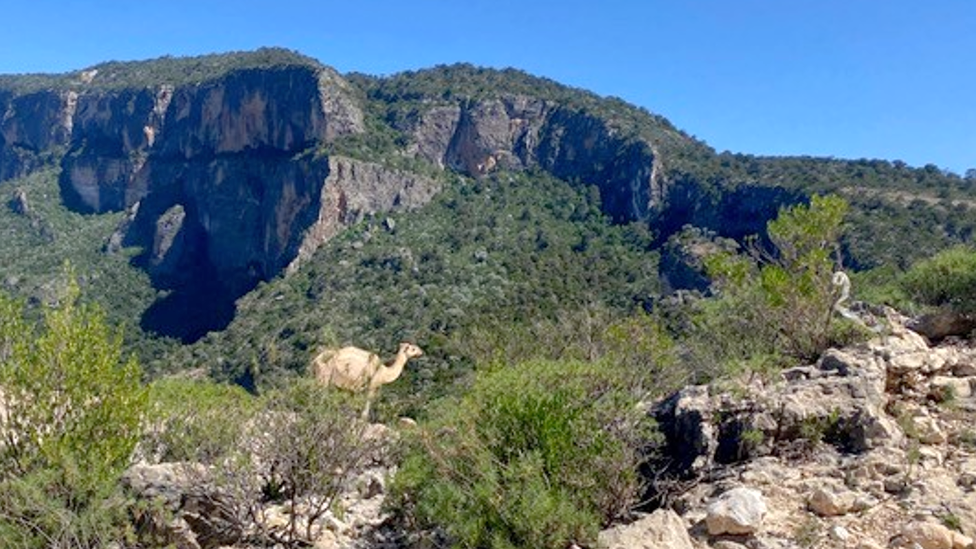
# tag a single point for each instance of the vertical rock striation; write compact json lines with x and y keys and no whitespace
{"x":518,"y":132}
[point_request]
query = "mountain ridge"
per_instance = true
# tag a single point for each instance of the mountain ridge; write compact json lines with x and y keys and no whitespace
{"x":239,"y":174}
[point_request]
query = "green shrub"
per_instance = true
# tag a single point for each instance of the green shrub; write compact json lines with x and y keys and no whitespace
{"x":779,"y":303}
{"x":301,"y":449}
{"x":947,"y":280}
{"x":73,"y":411}
{"x":536,"y":455}
{"x":199,"y":421}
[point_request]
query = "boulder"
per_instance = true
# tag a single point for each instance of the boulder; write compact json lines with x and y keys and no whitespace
{"x":943,"y":388}
{"x":942,"y":324}
{"x":927,"y":535}
{"x":831,"y":500}
{"x":662,"y":529}
{"x":737,"y":511}
{"x":685,"y":419}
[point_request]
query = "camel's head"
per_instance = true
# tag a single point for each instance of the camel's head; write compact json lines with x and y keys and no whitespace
{"x":410,"y":350}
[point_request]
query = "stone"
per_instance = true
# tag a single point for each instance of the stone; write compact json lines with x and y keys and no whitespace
{"x":169,"y":482}
{"x":728,"y":544}
{"x":942,"y":324}
{"x":908,"y":362}
{"x":928,"y":535}
{"x":928,"y":431}
{"x":839,"y":533}
{"x":685,"y":419}
{"x":871,"y":428}
{"x":830,"y":500}
{"x":943,"y":388}
{"x":662,"y":529}
{"x":961,"y":541}
{"x":737,"y":511}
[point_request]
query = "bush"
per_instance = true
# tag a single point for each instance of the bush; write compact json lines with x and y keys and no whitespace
{"x":946,"y":280}
{"x":775,"y":306}
{"x":297,"y":447}
{"x":73,"y":407}
{"x":539,"y":455}
{"x":198,"y":421}
{"x":318,"y":443}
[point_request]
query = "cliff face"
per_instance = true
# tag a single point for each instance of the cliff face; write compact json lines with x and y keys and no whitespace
{"x":31,"y":126}
{"x":220,"y":173}
{"x":116,"y":135}
{"x":516,"y":132}
{"x":227,"y":183}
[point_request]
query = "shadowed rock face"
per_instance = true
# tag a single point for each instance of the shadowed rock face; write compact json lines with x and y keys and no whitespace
{"x":30,"y":126}
{"x":219,"y":170}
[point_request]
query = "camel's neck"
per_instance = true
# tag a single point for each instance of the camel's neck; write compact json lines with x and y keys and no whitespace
{"x":390,"y":373}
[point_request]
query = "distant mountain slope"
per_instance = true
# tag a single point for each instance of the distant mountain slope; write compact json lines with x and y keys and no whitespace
{"x":371,"y":209}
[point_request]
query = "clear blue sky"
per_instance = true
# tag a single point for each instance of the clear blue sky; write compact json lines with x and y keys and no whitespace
{"x":893,"y":79}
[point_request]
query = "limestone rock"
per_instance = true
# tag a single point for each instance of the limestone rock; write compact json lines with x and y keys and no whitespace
{"x":830,"y":500}
{"x":961,"y":541}
{"x":355,"y":189}
{"x":928,"y":535}
{"x":928,"y":430}
{"x":737,"y":511}
{"x":662,"y":529}
{"x":947,"y":387}
{"x":685,"y":419}
{"x":169,"y":482}
{"x":168,"y":485}
{"x":839,"y":533}
{"x":940,"y":325}
{"x":728,"y":544}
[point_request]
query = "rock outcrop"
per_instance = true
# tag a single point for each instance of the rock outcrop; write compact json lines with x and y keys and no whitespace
{"x":222,"y":167}
{"x":869,"y":447}
{"x":519,"y":132}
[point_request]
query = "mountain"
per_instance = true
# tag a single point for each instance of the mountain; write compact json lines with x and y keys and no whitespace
{"x":274,"y":204}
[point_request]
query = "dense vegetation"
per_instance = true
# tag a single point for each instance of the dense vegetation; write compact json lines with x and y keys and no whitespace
{"x":70,"y":410}
{"x":487,"y":257}
{"x":40,"y":234}
{"x":169,"y":70}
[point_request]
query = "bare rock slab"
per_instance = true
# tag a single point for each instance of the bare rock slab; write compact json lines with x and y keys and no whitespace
{"x":738,"y":511}
{"x":662,"y":529}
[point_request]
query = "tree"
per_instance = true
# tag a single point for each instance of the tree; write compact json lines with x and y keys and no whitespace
{"x":778,"y":301}
{"x":70,"y":419}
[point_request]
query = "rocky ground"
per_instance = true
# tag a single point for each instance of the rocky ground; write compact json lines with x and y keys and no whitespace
{"x":874,"y":446}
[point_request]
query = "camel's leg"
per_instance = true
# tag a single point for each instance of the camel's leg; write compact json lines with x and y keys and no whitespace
{"x":365,"y":415}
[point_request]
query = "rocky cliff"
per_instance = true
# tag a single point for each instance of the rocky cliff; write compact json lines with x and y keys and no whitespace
{"x":233,"y":167}
{"x":519,"y":132}
{"x":220,"y":171}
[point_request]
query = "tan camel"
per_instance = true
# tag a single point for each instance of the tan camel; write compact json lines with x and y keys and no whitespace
{"x":357,"y":370}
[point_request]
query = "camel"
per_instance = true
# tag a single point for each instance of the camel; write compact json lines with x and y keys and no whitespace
{"x":357,"y":370}
{"x":843,"y":282}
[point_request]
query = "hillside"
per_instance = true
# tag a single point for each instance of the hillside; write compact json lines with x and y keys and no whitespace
{"x":628,"y":338}
{"x":245,"y":167}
